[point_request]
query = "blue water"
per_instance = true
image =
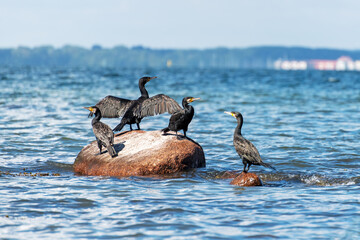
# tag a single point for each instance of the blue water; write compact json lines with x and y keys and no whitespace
{"x":306,"y":124}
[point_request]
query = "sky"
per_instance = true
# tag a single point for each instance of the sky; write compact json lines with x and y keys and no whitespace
{"x":181,"y":24}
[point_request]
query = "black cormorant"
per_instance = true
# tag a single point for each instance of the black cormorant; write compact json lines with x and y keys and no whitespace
{"x":103,"y":133}
{"x":132,"y":111}
{"x":181,"y":119}
{"x":246,"y":150}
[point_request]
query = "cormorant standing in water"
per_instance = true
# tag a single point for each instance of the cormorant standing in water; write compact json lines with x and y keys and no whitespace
{"x":103,"y":133}
{"x":246,"y":150}
{"x":182,"y":118}
{"x":133,"y":111}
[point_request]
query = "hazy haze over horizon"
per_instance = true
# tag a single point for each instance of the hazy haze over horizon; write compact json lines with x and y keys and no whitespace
{"x":186,"y":24}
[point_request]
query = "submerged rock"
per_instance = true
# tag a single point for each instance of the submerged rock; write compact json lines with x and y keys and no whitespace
{"x":141,"y":153}
{"x":227,"y":174}
{"x":246,"y":180}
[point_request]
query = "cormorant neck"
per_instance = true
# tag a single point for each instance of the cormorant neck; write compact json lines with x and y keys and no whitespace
{"x":239,"y":125}
{"x":188,"y":108}
{"x":185,"y":105}
{"x":97,"y":117}
{"x":143,"y":91}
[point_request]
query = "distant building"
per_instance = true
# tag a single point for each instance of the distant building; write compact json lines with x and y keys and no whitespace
{"x":344,"y":63}
{"x":290,"y":65}
{"x":357,"y":65}
{"x":319,"y":64}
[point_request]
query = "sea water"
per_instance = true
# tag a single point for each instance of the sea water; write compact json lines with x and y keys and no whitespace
{"x":305,"y":124}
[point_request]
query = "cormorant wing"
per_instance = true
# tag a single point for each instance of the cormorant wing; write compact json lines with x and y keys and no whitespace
{"x":158,"y":104}
{"x":247,"y":150}
{"x":177,"y":117}
{"x":113,"y":107}
{"x":103,"y":132}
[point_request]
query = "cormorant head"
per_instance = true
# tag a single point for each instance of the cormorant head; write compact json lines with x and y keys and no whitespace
{"x":234,"y":114}
{"x":190,"y":99}
{"x":144,"y":80}
{"x":92,"y":109}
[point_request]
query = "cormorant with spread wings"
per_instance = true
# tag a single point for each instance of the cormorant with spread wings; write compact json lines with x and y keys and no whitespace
{"x":133,"y":111}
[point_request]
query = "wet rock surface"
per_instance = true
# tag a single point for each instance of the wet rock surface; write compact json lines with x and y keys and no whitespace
{"x":246,"y":180}
{"x":141,"y":153}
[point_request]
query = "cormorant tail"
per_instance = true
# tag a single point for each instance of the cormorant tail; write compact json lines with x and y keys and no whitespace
{"x":267,"y":165}
{"x":112,"y":151}
{"x":165,"y":130}
{"x":119,"y":127}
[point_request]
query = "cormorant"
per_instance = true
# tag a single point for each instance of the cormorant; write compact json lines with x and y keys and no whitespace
{"x":246,"y":150}
{"x":182,"y":118}
{"x":133,"y":111}
{"x":103,"y":133}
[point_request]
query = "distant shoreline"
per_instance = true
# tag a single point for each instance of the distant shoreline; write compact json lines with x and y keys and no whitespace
{"x":261,"y":57}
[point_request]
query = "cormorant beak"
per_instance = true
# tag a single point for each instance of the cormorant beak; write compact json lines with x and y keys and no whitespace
{"x":230,"y":113}
{"x":151,"y":78}
{"x":193,"y":99}
{"x":89,"y":108}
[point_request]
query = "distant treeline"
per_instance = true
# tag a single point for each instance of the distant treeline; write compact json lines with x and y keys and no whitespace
{"x":120,"y":56}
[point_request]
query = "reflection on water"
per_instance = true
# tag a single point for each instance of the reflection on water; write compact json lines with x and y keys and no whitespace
{"x":303,"y":124}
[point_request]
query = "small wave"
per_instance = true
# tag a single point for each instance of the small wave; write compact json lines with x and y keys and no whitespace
{"x":269,"y":179}
{"x":308,"y":179}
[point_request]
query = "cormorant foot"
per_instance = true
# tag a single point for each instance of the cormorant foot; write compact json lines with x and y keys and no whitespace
{"x":180,"y":137}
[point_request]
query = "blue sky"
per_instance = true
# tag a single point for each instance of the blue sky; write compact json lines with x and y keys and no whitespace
{"x":180,"y":24}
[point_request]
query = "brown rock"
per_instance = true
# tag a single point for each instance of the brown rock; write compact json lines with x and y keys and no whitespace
{"x":247,"y":180}
{"x":141,"y":153}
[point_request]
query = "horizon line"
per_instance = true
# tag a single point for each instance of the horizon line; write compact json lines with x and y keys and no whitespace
{"x":99,"y":46}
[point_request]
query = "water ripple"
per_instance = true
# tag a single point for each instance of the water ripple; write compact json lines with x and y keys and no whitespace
{"x":305,"y":126}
